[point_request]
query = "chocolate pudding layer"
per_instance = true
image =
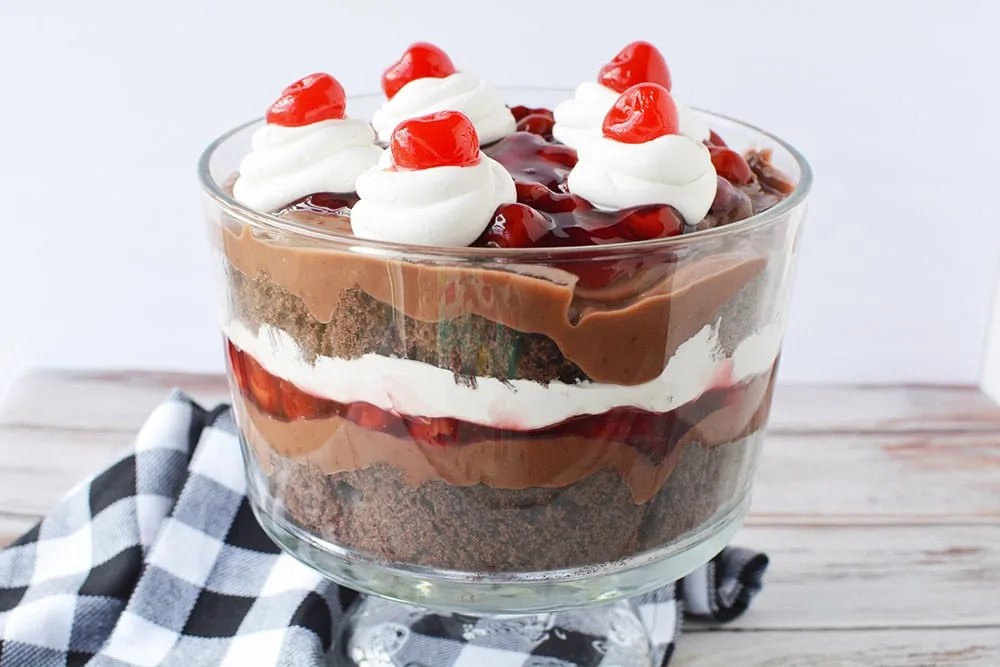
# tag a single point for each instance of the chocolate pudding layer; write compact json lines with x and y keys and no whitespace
{"x":622,"y":335}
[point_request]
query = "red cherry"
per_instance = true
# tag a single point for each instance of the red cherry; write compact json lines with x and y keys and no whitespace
{"x":312,"y":99}
{"x":715,"y":139}
{"x":529,"y":157}
{"x":559,"y":154}
{"x":368,"y":416}
{"x":442,"y":139}
{"x":730,"y":205}
{"x":238,"y":366}
{"x":520,"y":112}
{"x":515,"y":226}
{"x":651,"y":222}
{"x":540,"y":198}
{"x":639,"y":62}
{"x":420,"y":61}
{"x":263,"y":388}
{"x":296,"y":404}
{"x":537,"y":123}
{"x":432,"y":430}
{"x":730,"y":165}
{"x":642,"y":113}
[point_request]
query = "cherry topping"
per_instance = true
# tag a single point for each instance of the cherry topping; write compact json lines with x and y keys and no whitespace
{"x":715,"y":139}
{"x":309,"y":100}
{"x":368,"y":416}
{"x":433,"y":430}
{"x":537,"y":123}
{"x":529,"y":157}
{"x":442,"y":139}
{"x":731,"y":165}
{"x":420,"y":61}
{"x":264,"y":391}
{"x":651,"y":222}
{"x":639,"y":62}
{"x":730,"y":205}
{"x":297,"y":404}
{"x":515,"y":226}
{"x":539,"y":197}
{"x":642,"y":113}
{"x":520,"y":112}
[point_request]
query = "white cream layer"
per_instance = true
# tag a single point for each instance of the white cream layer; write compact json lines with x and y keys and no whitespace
{"x":419,"y":389}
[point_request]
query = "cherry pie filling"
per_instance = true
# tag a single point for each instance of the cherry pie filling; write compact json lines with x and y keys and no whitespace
{"x":653,"y":434}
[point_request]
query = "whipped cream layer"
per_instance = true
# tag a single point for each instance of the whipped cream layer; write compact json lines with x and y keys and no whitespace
{"x":462,"y":91}
{"x":288,"y":163}
{"x":440,"y":206}
{"x":579,"y":120}
{"x":415,"y":388}
{"x":673,"y":169}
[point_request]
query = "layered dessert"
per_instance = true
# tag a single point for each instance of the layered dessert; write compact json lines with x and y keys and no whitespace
{"x":478,"y":340}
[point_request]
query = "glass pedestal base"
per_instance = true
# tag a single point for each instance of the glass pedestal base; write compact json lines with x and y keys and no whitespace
{"x":382,"y":633}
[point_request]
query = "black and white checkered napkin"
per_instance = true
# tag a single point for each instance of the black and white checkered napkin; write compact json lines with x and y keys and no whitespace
{"x":158,"y":560}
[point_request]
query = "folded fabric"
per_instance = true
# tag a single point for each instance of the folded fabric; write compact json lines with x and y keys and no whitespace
{"x":158,"y":560}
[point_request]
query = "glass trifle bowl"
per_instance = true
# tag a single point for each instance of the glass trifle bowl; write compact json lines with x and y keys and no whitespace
{"x":501,"y":431}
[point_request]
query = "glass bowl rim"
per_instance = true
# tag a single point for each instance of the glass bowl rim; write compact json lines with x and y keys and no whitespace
{"x":268,"y":222}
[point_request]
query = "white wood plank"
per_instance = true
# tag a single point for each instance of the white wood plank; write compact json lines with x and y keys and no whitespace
{"x":972,"y":647}
{"x":809,"y":408}
{"x":38,"y":466}
{"x":875,"y":577}
{"x":103,"y":401}
{"x":881,"y":479}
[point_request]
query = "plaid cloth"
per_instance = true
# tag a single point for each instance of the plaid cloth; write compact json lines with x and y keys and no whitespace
{"x":158,"y":560}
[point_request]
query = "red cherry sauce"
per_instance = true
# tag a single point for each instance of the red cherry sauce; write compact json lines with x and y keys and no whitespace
{"x":653,"y":434}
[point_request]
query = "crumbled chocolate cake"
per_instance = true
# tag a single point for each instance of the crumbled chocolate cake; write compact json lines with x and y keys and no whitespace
{"x":482,"y":529}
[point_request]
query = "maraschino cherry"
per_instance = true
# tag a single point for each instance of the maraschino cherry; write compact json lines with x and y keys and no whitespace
{"x":442,"y":139}
{"x":642,"y":113}
{"x":309,"y":100}
{"x":639,"y":62}
{"x":731,"y":165}
{"x":420,"y":61}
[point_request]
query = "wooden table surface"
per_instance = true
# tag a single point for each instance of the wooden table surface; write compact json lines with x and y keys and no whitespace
{"x":879,"y":507}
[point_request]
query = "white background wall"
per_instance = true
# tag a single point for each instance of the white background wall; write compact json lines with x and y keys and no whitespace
{"x":106,"y":104}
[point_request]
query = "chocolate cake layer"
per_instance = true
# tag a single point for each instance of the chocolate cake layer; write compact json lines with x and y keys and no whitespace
{"x":479,"y":528}
{"x":470,"y":346}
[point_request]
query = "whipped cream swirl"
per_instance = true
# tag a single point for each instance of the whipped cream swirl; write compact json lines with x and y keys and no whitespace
{"x":673,"y":169}
{"x":579,"y":120}
{"x":288,"y":163}
{"x":462,"y":91}
{"x":439,"y":206}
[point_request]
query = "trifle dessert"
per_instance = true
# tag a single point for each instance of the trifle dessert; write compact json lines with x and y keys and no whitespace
{"x":484,"y":335}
